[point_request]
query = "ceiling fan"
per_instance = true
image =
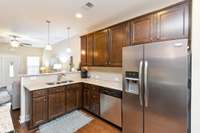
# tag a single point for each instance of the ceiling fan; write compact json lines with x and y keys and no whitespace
{"x":15,"y":42}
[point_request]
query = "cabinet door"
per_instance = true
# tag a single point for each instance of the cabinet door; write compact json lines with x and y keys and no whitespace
{"x":118,"y":38}
{"x":84,"y":50}
{"x":56,"y":104}
{"x":70,"y":99}
{"x":90,"y":45}
{"x":101,"y":48}
{"x":86,"y":98}
{"x":142,"y":29}
{"x":173,"y":23}
{"x":79,"y":97}
{"x":39,"y":110}
{"x":95,"y":100}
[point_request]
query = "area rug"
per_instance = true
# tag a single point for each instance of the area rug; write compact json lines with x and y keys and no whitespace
{"x":68,"y":123}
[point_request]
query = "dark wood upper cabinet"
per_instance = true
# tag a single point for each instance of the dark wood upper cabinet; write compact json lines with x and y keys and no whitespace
{"x":118,"y":38}
{"x":173,"y":23}
{"x":104,"y":47}
{"x":142,"y":29}
{"x":101,"y":48}
{"x":56,"y":102}
{"x":84,"y":50}
{"x":90,"y":45}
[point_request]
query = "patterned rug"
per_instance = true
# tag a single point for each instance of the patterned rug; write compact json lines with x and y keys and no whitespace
{"x":68,"y":123}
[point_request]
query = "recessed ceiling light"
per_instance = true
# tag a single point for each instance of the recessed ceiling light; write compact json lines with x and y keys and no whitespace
{"x":79,"y":15}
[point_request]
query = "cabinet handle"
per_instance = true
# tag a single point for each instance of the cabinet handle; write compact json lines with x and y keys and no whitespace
{"x":45,"y":100}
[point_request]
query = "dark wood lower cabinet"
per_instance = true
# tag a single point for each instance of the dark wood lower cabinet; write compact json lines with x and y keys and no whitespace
{"x":56,"y":104}
{"x":50,"y":103}
{"x":95,"y":100}
{"x":73,"y":97}
{"x":91,"y":98}
{"x":39,"y":108}
{"x":86,"y":97}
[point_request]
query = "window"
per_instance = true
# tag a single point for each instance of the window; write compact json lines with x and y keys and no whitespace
{"x":11,"y":70}
{"x":33,"y":65}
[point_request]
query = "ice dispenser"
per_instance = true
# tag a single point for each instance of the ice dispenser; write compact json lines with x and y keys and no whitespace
{"x":132,"y":82}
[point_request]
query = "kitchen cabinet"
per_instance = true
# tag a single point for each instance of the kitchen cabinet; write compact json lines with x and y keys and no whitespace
{"x":173,"y":23}
{"x":94,"y":100}
{"x":86,"y":97}
{"x":39,"y":108}
{"x":90,"y":45}
{"x":84,"y":50}
{"x":119,"y":37}
{"x":50,"y":103}
{"x":166,"y":24}
{"x":56,"y":104}
{"x":79,"y":96}
{"x":73,"y":97}
{"x":91,"y":99}
{"x":142,"y":29}
{"x":101,"y":48}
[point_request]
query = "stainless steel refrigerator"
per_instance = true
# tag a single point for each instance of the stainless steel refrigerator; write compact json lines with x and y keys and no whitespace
{"x":155,"y":87}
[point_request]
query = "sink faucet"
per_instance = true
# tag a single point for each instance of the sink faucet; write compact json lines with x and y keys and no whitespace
{"x":60,"y":76}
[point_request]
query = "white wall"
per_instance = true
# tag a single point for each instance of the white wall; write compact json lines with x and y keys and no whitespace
{"x":60,"y":52}
{"x":22,"y":52}
{"x":196,"y":67}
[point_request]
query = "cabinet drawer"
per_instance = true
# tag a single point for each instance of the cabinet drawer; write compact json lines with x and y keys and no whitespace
{"x":77,"y":85}
{"x":39,"y":93}
{"x":57,"y":89}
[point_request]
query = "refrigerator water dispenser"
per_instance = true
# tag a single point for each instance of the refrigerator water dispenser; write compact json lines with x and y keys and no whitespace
{"x":132,"y":82}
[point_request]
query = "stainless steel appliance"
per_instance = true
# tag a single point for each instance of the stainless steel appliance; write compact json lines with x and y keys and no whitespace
{"x":110,"y":106}
{"x":155,"y":87}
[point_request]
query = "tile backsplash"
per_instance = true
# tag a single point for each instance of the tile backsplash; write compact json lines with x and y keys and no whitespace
{"x":109,"y":74}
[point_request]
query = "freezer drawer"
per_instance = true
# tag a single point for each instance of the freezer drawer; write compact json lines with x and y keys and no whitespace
{"x":110,"y":109}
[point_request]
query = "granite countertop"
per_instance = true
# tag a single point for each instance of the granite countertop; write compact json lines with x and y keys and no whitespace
{"x":117,"y":85}
{"x":6,"y":124}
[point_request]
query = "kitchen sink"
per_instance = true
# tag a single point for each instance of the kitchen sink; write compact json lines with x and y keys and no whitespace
{"x":59,"y":82}
{"x":63,"y":82}
{"x":51,"y":83}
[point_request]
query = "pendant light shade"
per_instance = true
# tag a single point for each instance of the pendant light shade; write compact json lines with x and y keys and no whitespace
{"x":68,"y":50}
{"x":48,"y":46}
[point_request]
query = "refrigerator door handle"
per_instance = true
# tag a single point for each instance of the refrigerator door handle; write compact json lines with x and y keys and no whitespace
{"x":146,"y":95}
{"x":140,"y":83}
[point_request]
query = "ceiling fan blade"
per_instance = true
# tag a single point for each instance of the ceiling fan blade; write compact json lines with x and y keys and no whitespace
{"x":25,"y":44}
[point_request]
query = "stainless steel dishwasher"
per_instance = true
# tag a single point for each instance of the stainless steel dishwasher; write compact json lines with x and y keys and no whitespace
{"x":110,"y":106}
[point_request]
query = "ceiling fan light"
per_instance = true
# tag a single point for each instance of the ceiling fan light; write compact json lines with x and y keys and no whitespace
{"x":14,"y":43}
{"x":48,"y":47}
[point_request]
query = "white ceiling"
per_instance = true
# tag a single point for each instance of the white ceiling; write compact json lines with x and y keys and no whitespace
{"x":26,"y":18}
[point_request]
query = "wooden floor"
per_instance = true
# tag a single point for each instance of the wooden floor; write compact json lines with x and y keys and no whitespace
{"x":95,"y":126}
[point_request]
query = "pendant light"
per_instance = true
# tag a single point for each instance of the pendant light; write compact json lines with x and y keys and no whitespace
{"x":48,"y":46}
{"x":68,"y":37}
